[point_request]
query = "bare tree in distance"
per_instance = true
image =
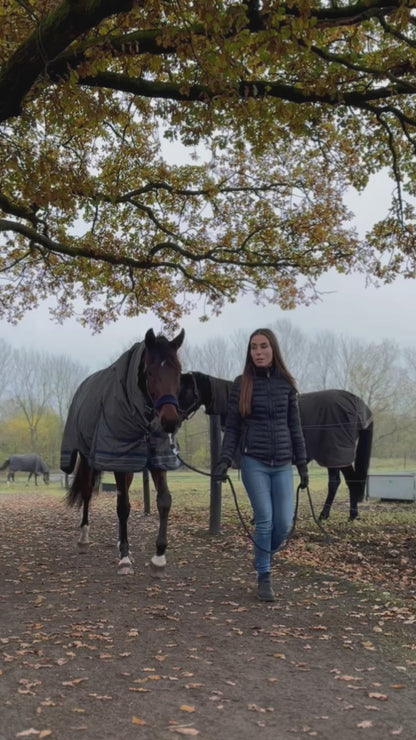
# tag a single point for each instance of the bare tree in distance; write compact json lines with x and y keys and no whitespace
{"x":295,"y":346}
{"x":324,"y":360}
{"x":31,"y":387}
{"x":323,"y":356}
{"x":6,"y":374}
{"x":408,"y":380}
{"x":373,"y":373}
{"x":64,"y":376}
{"x":215,"y":357}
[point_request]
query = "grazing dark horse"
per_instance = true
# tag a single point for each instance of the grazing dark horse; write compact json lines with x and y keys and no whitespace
{"x":30,"y":463}
{"x":338,"y":430}
{"x":337,"y":425}
{"x":120,"y":420}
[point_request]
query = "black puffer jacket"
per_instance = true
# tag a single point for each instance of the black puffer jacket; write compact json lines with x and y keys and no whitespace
{"x":272,"y":433}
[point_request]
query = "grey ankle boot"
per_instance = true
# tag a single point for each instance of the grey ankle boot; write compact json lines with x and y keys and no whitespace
{"x":264,"y":587}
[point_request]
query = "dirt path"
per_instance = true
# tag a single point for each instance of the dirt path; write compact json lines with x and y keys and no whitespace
{"x":91,"y":655}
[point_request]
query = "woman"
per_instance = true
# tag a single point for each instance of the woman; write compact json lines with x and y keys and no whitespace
{"x":263,"y":423}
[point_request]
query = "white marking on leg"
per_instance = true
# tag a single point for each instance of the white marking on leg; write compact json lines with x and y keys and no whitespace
{"x":159,"y":561}
{"x":84,"y":536}
{"x":125,"y":566}
{"x":157,"y":566}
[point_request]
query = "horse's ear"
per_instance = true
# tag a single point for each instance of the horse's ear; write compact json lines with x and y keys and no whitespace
{"x":149,"y":338}
{"x":177,"y":342}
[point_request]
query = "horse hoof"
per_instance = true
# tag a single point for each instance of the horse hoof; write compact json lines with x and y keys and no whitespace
{"x":125,"y":567}
{"x":157,"y":565}
{"x":156,"y":571}
{"x":83,"y":547}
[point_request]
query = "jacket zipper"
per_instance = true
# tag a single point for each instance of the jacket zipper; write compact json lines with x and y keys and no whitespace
{"x":272,"y":434}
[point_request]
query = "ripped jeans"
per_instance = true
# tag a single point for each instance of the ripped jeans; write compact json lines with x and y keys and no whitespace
{"x":271,"y":493}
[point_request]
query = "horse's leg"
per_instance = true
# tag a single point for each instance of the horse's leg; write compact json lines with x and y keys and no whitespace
{"x":84,"y":484}
{"x":356,"y":477}
{"x":164,"y":501}
{"x":334,"y":479}
{"x":354,"y":487}
{"x":123,"y":481}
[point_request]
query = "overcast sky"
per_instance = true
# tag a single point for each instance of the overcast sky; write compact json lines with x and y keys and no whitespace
{"x":347,"y":307}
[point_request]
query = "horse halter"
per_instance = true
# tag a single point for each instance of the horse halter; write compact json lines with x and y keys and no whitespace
{"x":195,"y":403}
{"x":163,"y":400}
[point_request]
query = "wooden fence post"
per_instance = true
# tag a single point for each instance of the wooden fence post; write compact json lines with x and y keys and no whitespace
{"x":215,"y":443}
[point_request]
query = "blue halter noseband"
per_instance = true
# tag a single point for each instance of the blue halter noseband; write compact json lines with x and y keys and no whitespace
{"x":163,"y":400}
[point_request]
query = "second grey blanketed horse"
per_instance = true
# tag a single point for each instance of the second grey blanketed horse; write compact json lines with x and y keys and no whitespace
{"x":28,"y":463}
{"x":337,"y":425}
{"x":338,"y":430}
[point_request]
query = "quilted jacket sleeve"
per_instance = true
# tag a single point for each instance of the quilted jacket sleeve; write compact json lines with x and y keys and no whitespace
{"x":298,"y":441}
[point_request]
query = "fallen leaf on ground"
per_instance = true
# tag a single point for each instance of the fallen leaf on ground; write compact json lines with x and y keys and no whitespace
{"x":138,"y":721}
{"x":376,"y":695}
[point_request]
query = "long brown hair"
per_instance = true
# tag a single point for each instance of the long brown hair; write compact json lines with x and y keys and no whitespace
{"x":246,"y":390}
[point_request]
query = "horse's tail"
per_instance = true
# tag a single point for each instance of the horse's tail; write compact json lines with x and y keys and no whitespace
{"x":362,"y":459}
{"x":75,"y":493}
{"x":5,"y":464}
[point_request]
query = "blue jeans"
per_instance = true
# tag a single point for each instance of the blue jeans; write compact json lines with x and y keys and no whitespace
{"x":271,"y":493}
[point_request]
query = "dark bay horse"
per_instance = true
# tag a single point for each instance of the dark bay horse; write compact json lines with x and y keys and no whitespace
{"x":120,"y":420}
{"x":337,"y":425}
{"x":29,"y":463}
{"x":338,"y":430}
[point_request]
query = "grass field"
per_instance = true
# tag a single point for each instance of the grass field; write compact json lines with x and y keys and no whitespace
{"x":191,"y":493}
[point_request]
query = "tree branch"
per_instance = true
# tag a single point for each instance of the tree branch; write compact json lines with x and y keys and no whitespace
{"x":52,"y":36}
{"x":46,"y":51}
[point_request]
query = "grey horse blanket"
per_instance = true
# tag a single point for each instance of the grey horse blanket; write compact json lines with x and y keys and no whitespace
{"x":331,"y":422}
{"x":220,"y":394}
{"x":113,"y":424}
{"x":28,"y":463}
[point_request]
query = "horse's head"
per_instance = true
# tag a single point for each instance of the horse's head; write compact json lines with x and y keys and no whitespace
{"x":189,"y":397}
{"x":46,"y":478}
{"x":163,"y":374}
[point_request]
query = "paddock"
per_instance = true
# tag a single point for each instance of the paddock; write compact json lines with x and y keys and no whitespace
{"x":86,"y":653}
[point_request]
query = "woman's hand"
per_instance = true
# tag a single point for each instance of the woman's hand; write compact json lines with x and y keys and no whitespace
{"x":303,"y":475}
{"x":221,"y":471}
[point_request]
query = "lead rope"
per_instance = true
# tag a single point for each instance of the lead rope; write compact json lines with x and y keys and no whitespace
{"x":240,"y":516}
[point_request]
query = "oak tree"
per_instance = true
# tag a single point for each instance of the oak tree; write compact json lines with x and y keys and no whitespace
{"x":282,"y":106}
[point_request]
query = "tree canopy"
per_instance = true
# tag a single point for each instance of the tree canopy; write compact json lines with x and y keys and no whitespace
{"x":282,"y":106}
